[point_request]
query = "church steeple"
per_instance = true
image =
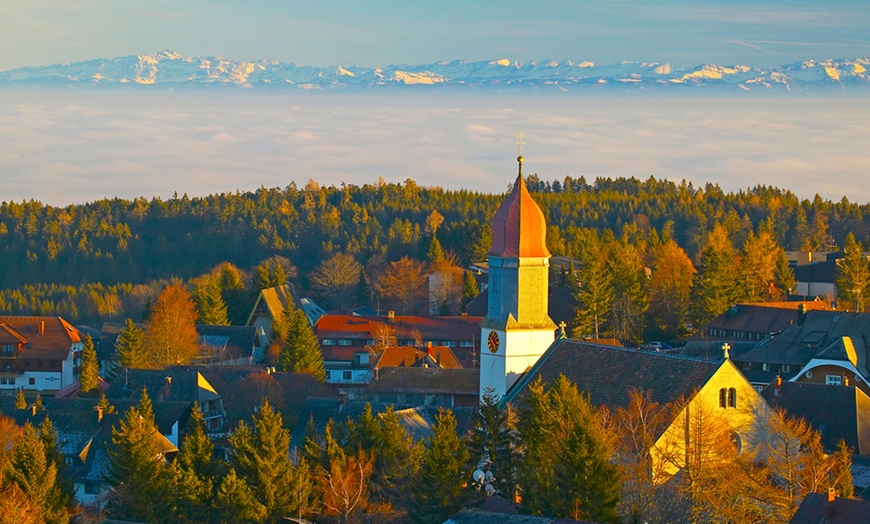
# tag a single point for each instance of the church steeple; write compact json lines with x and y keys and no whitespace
{"x":517,"y":327}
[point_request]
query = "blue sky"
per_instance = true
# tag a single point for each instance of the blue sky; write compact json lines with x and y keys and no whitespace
{"x":381,"y":32}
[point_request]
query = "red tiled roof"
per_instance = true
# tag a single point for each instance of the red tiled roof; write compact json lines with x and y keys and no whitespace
{"x":404,"y":327}
{"x":518,"y":227}
{"x":46,"y":337}
{"x":409,"y":356}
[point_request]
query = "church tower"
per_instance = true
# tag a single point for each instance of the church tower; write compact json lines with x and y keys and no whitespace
{"x":517,"y":328}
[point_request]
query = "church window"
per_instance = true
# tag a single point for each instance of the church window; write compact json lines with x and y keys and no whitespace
{"x":732,"y":398}
{"x":722,"y":397}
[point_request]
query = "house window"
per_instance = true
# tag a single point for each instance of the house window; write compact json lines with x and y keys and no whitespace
{"x":92,"y":489}
{"x":12,"y":381}
{"x":450,"y":343}
{"x":32,"y":381}
{"x":370,"y":342}
{"x":328,"y":375}
{"x":328,"y":342}
{"x":346,"y":375}
{"x":732,"y":398}
{"x":467,"y":343}
{"x":8,"y":349}
{"x":2,"y":380}
{"x":344,"y":342}
{"x":785,"y":368}
{"x":722,"y":397}
{"x":833,"y":380}
{"x":765,"y":367}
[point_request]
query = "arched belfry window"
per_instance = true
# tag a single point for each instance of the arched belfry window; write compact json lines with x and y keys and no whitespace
{"x":722,"y":398}
{"x":732,"y":398}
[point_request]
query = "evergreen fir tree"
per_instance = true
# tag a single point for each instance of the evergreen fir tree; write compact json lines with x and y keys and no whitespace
{"x":261,"y":458}
{"x":853,"y":276}
{"x":37,"y":476}
{"x":841,"y":471}
{"x":89,"y":379}
{"x":139,"y":477}
{"x":210,"y":302}
{"x":38,"y":402}
{"x":363,"y":291}
{"x":492,"y":441}
{"x":20,"y":401}
{"x":595,"y":293}
{"x":566,"y":469}
{"x":437,"y":492}
{"x":195,"y":472}
{"x":715,"y":287}
{"x":301,"y":352}
{"x":129,"y":345}
{"x":469,"y":288}
{"x":784,"y":276}
{"x":435,"y":254}
{"x":235,"y":501}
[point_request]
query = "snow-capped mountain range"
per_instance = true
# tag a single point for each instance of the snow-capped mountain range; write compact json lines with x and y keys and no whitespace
{"x":172,"y":69}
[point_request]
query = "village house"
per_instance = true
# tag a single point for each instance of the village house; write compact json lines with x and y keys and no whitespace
{"x":351,"y":343}
{"x":39,"y":354}
{"x":837,"y":412}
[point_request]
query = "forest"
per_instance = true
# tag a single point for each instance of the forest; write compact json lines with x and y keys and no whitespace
{"x":107,"y":260}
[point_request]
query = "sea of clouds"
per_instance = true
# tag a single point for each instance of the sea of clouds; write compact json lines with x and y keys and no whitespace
{"x":63,"y":147}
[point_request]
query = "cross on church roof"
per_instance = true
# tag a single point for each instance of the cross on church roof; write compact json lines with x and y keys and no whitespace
{"x":562,"y":325}
{"x":520,"y":142}
{"x":726,"y":347}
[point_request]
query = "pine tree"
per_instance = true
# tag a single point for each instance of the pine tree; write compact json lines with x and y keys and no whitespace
{"x":20,"y":401}
{"x":89,"y":379}
{"x":435,"y":254}
{"x":301,"y":351}
{"x":210,"y":301}
{"x":261,"y":457}
{"x":853,"y":276}
{"x":566,"y":469}
{"x":595,"y":293}
{"x":129,"y":345}
{"x":437,"y":492}
{"x":171,"y":336}
{"x":137,"y":472}
{"x":841,"y":471}
{"x":363,"y":292}
{"x":492,"y":441}
{"x":235,"y":501}
{"x":784,"y":279}
{"x":469,"y":288}
{"x":630,"y":300}
{"x":195,"y":472}
{"x":36,"y":475}
{"x":715,"y":287}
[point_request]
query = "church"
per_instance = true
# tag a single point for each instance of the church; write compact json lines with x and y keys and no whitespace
{"x":517,"y":328}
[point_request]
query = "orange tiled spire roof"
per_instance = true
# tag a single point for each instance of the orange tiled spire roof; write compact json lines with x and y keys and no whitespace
{"x":519,"y":228}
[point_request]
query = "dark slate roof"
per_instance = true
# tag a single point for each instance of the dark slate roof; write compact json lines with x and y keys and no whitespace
{"x":764,"y":318}
{"x":838,"y":412}
{"x":418,"y":420}
{"x":183,"y":387}
{"x":712,"y":349}
{"x":226,"y":342}
{"x":426,"y":380}
{"x":608,"y":373}
{"x":816,"y":509}
{"x":801,"y":342}
{"x":817,"y":272}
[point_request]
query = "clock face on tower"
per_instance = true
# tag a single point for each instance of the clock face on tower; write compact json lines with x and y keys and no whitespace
{"x":492,"y":341}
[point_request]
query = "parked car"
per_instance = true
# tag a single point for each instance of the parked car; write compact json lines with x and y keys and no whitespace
{"x":656,"y":346}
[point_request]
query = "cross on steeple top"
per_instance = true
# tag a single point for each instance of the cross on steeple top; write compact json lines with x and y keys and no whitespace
{"x":726,"y":347}
{"x":562,"y":325}
{"x":520,"y":142}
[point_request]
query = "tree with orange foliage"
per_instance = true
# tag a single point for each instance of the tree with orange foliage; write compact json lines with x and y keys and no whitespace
{"x":401,"y":286}
{"x":171,"y":337}
{"x":670,"y":288}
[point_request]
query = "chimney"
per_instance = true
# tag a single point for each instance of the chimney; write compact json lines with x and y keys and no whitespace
{"x":845,"y":381}
{"x":391,"y":316}
{"x":166,"y":388}
{"x":778,"y":386}
{"x":802,"y":313}
{"x":33,"y":410}
{"x":438,"y":358}
{"x":829,"y":505}
{"x":99,"y":410}
{"x":42,"y":328}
